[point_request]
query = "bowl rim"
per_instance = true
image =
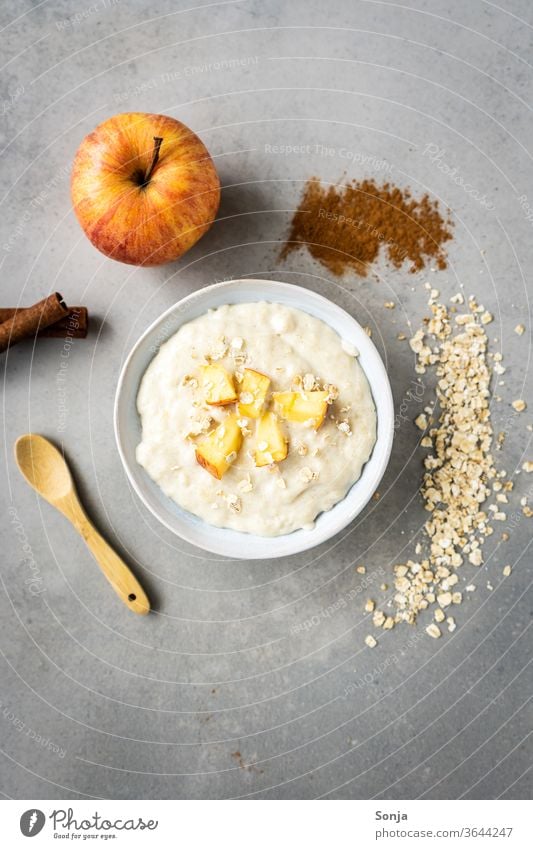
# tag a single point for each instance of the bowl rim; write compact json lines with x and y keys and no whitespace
{"x":384,"y":423}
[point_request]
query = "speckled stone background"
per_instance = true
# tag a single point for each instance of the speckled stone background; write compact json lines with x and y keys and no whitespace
{"x":251,"y":679}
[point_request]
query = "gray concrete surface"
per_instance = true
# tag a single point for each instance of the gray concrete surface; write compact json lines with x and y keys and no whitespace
{"x":220,"y":693}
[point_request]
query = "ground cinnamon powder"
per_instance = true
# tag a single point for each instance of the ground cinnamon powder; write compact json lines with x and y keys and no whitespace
{"x":346,"y":227}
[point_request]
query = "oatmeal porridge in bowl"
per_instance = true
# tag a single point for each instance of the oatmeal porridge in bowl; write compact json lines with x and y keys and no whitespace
{"x":255,"y":419}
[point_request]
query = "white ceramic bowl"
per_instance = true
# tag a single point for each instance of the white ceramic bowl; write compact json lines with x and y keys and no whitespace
{"x":128,"y":426}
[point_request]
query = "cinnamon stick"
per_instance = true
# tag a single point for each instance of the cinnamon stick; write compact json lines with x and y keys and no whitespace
{"x":28,"y":322}
{"x":75,"y":324}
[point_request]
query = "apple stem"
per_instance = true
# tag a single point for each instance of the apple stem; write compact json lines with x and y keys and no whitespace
{"x":157,"y":146}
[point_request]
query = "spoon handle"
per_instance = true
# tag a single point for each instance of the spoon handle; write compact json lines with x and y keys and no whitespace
{"x":116,"y":571}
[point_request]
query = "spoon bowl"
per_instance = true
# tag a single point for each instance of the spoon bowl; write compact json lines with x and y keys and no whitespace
{"x":43,"y":467}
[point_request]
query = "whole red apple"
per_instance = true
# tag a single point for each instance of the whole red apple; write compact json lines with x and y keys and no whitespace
{"x":144,"y":188}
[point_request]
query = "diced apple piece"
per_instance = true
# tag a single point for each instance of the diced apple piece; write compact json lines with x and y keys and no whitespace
{"x":218,"y":385}
{"x":220,"y":448}
{"x":254,"y":388}
{"x":305,"y":407}
{"x":271,"y":443}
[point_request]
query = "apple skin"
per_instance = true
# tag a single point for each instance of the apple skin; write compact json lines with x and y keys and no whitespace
{"x":138,"y":222}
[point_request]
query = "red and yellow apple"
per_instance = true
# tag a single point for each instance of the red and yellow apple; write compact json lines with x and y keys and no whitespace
{"x":144,"y":188}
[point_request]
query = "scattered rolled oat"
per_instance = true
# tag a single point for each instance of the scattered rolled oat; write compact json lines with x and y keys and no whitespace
{"x":507,"y":570}
{"x":310,"y":382}
{"x":360,"y":569}
{"x":520,"y":329}
{"x":218,"y":350}
{"x":190,"y":380}
{"x":306,"y":474}
{"x":344,"y":427}
{"x":519,"y":405}
{"x":378,"y":618}
{"x":459,"y":470}
{"x":475,"y":557}
{"x":528,"y":466}
{"x":370,"y":605}
{"x":333,"y":394}
{"x":234,"y":503}
{"x":245,"y":485}
{"x":371,"y":641}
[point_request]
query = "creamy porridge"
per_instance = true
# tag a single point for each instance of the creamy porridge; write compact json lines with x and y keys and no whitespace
{"x":255,"y":417}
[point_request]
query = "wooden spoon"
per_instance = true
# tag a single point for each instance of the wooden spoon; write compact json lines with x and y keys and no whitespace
{"x":47,"y":472}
